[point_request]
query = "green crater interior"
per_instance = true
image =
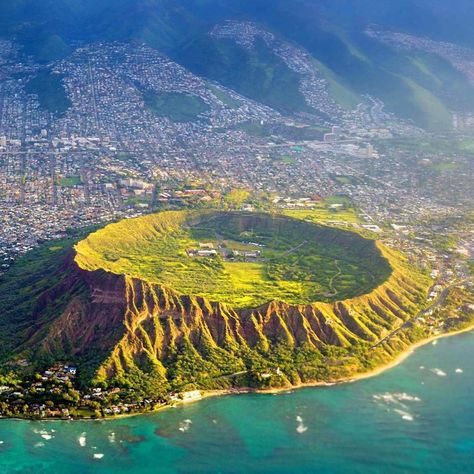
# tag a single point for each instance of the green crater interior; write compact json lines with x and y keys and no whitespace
{"x":299,"y":262}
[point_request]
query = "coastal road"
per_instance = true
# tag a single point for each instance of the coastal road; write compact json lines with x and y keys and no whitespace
{"x":220,"y":377}
{"x":436,"y":304}
{"x":231,"y":375}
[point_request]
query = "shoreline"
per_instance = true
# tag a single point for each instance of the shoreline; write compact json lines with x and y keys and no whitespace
{"x":346,"y":380}
{"x":250,"y":390}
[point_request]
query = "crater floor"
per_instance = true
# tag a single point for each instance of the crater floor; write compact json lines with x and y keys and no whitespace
{"x":241,"y":259}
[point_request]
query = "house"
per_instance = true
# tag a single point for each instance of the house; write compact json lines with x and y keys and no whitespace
{"x":252,"y":254}
{"x":202,"y":253}
{"x":247,"y":253}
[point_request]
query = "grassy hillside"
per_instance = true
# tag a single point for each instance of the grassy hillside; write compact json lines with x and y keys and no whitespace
{"x":24,"y":284}
{"x":413,"y":87}
{"x":192,"y":343}
{"x":256,"y":73}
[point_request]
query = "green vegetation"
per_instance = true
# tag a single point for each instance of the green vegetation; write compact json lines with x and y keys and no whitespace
{"x":415,"y":86}
{"x":51,"y":48}
{"x":141,"y":338}
{"x":300,"y":262}
{"x":336,"y":208}
{"x":224,"y":97}
{"x":347,"y":179}
{"x":257,"y":73}
{"x":442,"y":79}
{"x":176,"y":106}
{"x":283,"y":345}
{"x":236,"y":197}
{"x":123,"y":156}
{"x":69,"y":181}
{"x":23,"y":284}
{"x":426,"y":109}
{"x":50,"y":91}
{"x":341,"y":93}
{"x":410,"y":83}
{"x":255,"y":129}
{"x":287,"y":159}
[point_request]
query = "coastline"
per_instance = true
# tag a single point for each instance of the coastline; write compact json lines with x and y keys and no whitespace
{"x":345,"y":380}
{"x":247,"y":390}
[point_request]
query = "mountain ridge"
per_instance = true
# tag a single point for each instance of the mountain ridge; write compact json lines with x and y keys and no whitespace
{"x":333,"y":33}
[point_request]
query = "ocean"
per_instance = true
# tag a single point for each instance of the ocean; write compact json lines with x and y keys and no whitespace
{"x":415,"y":418}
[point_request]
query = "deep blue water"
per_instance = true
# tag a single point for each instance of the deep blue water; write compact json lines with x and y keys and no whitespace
{"x":417,"y":418}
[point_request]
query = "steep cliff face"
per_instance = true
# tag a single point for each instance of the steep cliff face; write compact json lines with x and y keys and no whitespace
{"x":117,"y":325}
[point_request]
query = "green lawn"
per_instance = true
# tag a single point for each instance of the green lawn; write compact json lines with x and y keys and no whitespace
{"x":445,"y":166}
{"x":69,"y":181}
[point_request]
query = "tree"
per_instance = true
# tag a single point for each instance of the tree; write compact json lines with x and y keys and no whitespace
{"x":236,"y":197}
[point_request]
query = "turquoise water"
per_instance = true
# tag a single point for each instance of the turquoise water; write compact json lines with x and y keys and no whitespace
{"x":417,"y":417}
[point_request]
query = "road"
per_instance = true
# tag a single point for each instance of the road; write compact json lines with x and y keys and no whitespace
{"x":294,"y":249}
{"x":331,"y":281}
{"x":436,"y":304}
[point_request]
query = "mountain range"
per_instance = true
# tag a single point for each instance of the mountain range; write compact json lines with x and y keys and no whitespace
{"x":416,"y":83}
